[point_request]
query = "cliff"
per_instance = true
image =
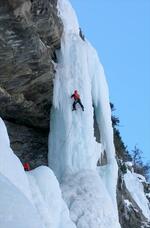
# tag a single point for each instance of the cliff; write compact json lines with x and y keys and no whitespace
{"x":43,"y":58}
{"x":30,"y":34}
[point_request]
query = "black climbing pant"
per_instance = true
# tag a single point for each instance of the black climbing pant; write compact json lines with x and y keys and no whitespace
{"x":79,"y":102}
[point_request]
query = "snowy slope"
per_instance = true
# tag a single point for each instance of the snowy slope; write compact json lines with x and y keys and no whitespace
{"x":88,"y":200}
{"x":28,"y":199}
{"x":10,"y":165}
{"x":16,"y":211}
{"x":136,"y":189}
{"x":48,"y":200}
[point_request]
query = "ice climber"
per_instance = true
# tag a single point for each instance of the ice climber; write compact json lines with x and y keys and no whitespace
{"x":26,"y":166}
{"x":76,"y":97}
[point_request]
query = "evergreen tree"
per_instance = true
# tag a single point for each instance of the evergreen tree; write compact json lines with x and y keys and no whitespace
{"x":138,"y":164}
{"x":122,"y":152}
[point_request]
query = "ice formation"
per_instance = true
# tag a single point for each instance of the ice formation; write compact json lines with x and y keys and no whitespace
{"x":34,"y":199}
{"x":88,"y":200}
{"x":10,"y":165}
{"x":72,"y":145}
{"x":31,"y":199}
{"x":16,"y":210}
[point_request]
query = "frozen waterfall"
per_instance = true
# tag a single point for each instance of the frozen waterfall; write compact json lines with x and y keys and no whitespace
{"x":72,"y":145}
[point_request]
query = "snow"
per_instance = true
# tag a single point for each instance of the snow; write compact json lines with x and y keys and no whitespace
{"x":128,"y":163}
{"x":28,"y":199}
{"x":16,"y":211}
{"x":127,"y":203}
{"x":48,"y":200}
{"x":140,"y":177}
{"x":10,"y":165}
{"x":147,"y":194}
{"x":136,"y":189}
{"x":88,"y":200}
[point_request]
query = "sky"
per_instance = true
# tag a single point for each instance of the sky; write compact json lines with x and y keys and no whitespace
{"x":120,"y":32}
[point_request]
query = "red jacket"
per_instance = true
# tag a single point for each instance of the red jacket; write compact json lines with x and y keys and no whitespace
{"x":76,"y":96}
{"x":26,"y":166}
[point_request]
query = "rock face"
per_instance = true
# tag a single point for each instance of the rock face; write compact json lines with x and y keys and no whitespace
{"x":129,"y":216}
{"x":30,"y":34}
{"x":29,"y":144}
